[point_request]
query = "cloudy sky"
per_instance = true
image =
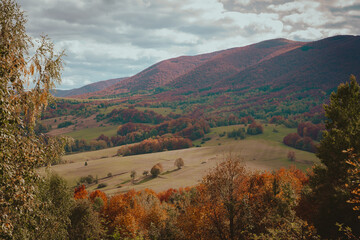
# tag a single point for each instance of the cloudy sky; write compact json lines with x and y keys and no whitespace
{"x":107,"y":39}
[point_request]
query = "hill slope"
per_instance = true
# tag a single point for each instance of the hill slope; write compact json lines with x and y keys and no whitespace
{"x":274,"y":77}
{"x":316,"y":65}
{"x":196,"y":71}
{"x":232,"y":61}
{"x":156,"y":75}
{"x":97,"y":86}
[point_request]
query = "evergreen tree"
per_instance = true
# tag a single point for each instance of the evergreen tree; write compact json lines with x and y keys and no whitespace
{"x":328,"y":182}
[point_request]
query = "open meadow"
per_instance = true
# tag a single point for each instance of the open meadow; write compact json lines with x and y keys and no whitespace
{"x":260,"y":152}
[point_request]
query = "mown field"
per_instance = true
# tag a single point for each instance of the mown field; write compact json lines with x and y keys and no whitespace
{"x":93,"y":133}
{"x":89,"y":129}
{"x":260,"y":152}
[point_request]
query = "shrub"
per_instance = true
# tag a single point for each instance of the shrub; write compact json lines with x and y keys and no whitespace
{"x":102,"y":185}
{"x":65,"y":124}
{"x":88,"y":179}
{"x":237,"y":133}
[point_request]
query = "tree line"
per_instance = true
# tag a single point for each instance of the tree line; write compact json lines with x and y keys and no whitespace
{"x":136,"y":132}
{"x":305,"y":136}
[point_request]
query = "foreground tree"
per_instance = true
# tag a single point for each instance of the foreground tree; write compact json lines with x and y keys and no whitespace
{"x":20,"y":149}
{"x":55,"y":202}
{"x":232,"y":203}
{"x":227,"y":185}
{"x":84,"y":221}
{"x":354,"y":185}
{"x":329,"y":181}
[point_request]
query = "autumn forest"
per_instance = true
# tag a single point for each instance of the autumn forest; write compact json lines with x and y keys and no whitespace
{"x":256,"y":142}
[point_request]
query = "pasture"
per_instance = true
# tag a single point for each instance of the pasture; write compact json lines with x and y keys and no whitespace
{"x":259,"y":152}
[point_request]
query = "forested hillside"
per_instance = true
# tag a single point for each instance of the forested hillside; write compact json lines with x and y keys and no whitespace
{"x":272,"y":92}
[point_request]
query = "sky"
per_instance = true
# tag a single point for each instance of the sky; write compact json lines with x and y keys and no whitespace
{"x":105,"y":39}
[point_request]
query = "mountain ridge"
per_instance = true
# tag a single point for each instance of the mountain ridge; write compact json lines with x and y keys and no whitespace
{"x":284,"y":68}
{"x":93,"y":87}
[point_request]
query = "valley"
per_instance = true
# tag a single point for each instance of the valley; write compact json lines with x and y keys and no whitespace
{"x":274,"y":79}
{"x":219,"y":119}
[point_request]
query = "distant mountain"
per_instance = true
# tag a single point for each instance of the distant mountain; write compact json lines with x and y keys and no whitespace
{"x":233,"y":61}
{"x":93,"y":87}
{"x":198,"y":70}
{"x":322,"y":64}
{"x":157,"y":75}
{"x":271,"y":77}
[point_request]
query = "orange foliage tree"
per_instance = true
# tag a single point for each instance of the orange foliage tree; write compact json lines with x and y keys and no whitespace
{"x":354,"y":185}
{"x":80,"y":192}
{"x":99,"y":194}
{"x":135,"y":214}
{"x":232,"y":203}
{"x":21,"y":151}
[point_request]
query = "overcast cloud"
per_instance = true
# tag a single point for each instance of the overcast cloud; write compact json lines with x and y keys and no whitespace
{"x":107,"y":39}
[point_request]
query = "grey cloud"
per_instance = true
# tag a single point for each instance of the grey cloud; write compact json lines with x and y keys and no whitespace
{"x":109,"y":38}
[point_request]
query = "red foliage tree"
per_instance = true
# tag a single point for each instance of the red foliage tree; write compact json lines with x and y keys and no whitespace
{"x":276,"y":119}
{"x":247,"y":119}
{"x":291,"y":139}
{"x":255,"y":128}
{"x":155,"y":145}
{"x":308,"y":129}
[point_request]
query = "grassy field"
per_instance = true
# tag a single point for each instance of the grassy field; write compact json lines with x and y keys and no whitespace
{"x":92,"y":133}
{"x":270,"y":135}
{"x":162,"y":110}
{"x":260,"y":152}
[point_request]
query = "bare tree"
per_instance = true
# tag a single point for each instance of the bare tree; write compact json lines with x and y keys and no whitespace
{"x":291,"y":156}
{"x":133,"y":176}
{"x":179,"y":163}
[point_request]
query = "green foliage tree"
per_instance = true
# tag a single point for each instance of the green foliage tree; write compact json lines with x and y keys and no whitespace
{"x":330,"y":178}
{"x":354,"y":186}
{"x":55,"y":203}
{"x":21,"y":151}
{"x":85,"y":223}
